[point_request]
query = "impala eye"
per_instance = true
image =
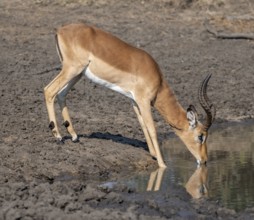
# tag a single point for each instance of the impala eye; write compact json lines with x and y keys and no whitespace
{"x":201,"y":138}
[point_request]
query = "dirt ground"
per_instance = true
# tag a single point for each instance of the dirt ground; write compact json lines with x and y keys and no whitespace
{"x":42,"y":179}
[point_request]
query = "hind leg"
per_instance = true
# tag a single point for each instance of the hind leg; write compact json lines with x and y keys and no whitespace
{"x":51,"y":91}
{"x":61,"y":98}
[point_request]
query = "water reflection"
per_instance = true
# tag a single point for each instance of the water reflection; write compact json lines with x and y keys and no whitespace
{"x":155,"y":179}
{"x":228,"y":177}
{"x":197,"y":184}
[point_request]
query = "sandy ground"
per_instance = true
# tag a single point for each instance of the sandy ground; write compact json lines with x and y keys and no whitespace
{"x":35,"y":170}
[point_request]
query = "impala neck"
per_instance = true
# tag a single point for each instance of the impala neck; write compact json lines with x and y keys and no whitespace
{"x":168,"y":106}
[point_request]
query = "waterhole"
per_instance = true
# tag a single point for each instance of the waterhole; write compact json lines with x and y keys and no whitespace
{"x":228,"y":177}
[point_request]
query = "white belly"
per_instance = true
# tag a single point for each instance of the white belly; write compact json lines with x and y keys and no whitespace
{"x":107,"y":84}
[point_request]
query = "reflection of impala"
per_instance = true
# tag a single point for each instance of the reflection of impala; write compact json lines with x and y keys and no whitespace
{"x":155,"y":179}
{"x":132,"y":72}
{"x":196,"y":185}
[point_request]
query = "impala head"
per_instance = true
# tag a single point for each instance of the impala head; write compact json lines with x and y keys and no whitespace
{"x":196,"y":135}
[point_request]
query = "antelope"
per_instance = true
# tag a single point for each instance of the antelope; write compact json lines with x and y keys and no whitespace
{"x":111,"y":62}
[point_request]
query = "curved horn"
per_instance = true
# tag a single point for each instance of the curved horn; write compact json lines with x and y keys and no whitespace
{"x":205,"y":102}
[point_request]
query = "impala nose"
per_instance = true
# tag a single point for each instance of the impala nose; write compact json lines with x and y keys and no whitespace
{"x":201,"y":162}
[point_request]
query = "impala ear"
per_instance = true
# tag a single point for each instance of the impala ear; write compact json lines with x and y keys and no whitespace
{"x":192,"y":116}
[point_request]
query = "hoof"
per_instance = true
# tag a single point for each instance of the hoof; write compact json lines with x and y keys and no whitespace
{"x":75,"y":139}
{"x":162,"y":165}
{"x":60,"y":141}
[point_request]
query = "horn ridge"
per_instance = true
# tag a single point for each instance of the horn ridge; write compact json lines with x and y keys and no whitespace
{"x":206,"y":103}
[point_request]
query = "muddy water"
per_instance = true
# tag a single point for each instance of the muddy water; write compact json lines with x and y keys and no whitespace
{"x":228,"y":178}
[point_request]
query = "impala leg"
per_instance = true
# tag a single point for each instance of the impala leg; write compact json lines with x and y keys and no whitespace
{"x":155,"y":179}
{"x":146,"y":114}
{"x":151,"y":181}
{"x":61,"y":98}
{"x":159,"y":178}
{"x":50,"y":92}
{"x":148,"y":139}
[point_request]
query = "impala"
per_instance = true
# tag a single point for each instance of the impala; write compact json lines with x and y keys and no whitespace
{"x":110,"y":62}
